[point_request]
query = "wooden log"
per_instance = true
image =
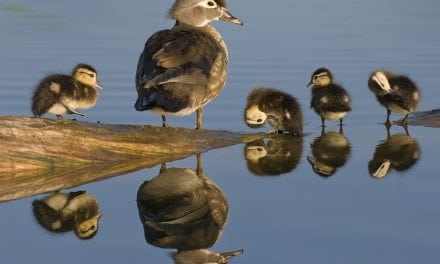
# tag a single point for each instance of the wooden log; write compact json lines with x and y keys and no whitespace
{"x":428,"y":118}
{"x":42,"y":155}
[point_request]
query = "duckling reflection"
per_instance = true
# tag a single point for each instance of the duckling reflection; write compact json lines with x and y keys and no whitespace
{"x":184,"y":209}
{"x":278,"y":155}
{"x":331,"y":150}
{"x":399,"y":152}
{"x":62,"y":212}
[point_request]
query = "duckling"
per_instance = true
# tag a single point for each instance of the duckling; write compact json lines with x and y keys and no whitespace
{"x":203,"y":256}
{"x":61,"y":94}
{"x":182,"y":69}
{"x":279,"y":155}
{"x":397,"y":93}
{"x":279,"y":109}
{"x":331,"y":150}
{"x":61,"y":212}
{"x":398,"y":151}
{"x":182,"y":208}
{"x":329,"y":100}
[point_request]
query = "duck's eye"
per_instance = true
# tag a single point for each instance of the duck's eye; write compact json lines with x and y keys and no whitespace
{"x":211,"y":4}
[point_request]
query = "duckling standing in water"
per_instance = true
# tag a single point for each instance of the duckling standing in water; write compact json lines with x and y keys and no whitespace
{"x":61,"y":212}
{"x":279,"y":109}
{"x":182,"y":69}
{"x":61,"y":94}
{"x":329,"y":100}
{"x":397,"y":93}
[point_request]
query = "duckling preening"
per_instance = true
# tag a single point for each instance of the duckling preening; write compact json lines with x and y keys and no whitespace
{"x":182,"y":208}
{"x":399,"y":152}
{"x":182,"y":69}
{"x":397,"y":93}
{"x":61,"y":212}
{"x":60,"y":94}
{"x":329,"y":100}
{"x":279,"y":109}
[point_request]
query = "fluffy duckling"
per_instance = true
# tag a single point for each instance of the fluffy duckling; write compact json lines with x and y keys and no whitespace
{"x":279,"y":109}
{"x":329,"y":100}
{"x":182,"y":69}
{"x":398,"y":151}
{"x":61,"y":212}
{"x":203,"y":256}
{"x":61,"y":94}
{"x":276,"y":156}
{"x":397,"y":93}
{"x":331,"y":150}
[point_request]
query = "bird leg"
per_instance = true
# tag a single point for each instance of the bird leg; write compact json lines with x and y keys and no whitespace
{"x":388,"y":123}
{"x":163,"y":168}
{"x":199,"y":118}
{"x":341,"y":122}
{"x":199,"y":164}
{"x":322,"y":121}
{"x":164,"y":121}
{"x":59,"y":117}
{"x":405,"y":120}
{"x":341,"y":130}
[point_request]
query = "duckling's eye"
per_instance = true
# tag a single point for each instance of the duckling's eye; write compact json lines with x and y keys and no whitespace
{"x":260,"y":149}
{"x":315,"y":78}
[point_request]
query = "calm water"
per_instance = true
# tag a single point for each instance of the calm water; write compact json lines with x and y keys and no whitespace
{"x":295,"y":217}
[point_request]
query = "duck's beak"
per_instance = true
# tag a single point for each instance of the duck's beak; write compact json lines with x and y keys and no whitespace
{"x":229,"y":255}
{"x":98,"y":216}
{"x":228,"y":17}
{"x":98,"y":85}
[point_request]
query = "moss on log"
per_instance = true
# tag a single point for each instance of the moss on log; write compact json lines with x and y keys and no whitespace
{"x":43,"y":155}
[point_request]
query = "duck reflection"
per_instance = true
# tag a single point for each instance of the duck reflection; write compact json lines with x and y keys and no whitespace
{"x":63,"y":212}
{"x":184,"y":209}
{"x":398,"y":151}
{"x":330,"y":150}
{"x":274,"y":156}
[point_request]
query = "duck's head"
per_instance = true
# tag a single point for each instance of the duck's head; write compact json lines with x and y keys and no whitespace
{"x":320,"y":78}
{"x":381,"y":79}
{"x":87,"y":75}
{"x":88,"y":228}
{"x":198,"y":13}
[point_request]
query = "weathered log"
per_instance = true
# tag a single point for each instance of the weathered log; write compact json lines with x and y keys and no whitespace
{"x":428,"y":118}
{"x":43,"y":155}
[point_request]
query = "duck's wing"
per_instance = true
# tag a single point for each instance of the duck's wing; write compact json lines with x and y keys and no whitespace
{"x":180,"y":56}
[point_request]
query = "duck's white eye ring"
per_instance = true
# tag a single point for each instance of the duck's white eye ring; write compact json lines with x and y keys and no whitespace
{"x":209,"y":4}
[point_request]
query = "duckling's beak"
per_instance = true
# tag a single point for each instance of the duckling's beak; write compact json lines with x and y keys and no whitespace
{"x":98,"y":85}
{"x":228,"y":17}
{"x":229,"y":255}
{"x":310,"y":84}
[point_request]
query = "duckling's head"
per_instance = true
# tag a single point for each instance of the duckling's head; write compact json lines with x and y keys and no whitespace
{"x":87,"y":75}
{"x":198,"y":13}
{"x":381,"y":79}
{"x":320,"y":78}
{"x":88,"y":228}
{"x":320,"y":168}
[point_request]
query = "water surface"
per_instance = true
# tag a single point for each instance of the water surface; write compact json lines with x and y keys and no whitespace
{"x":297,"y":216}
